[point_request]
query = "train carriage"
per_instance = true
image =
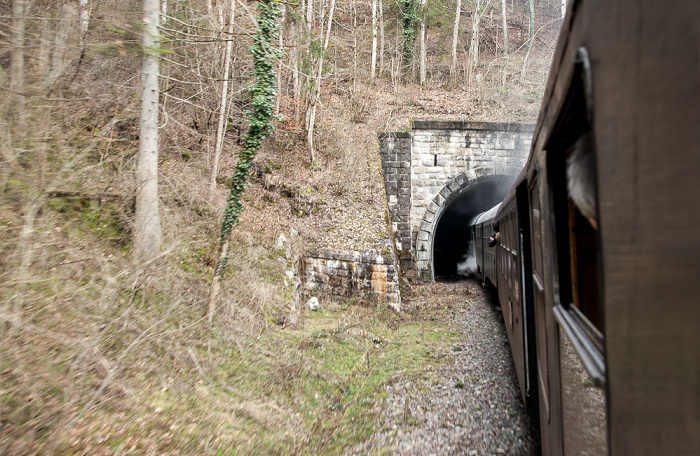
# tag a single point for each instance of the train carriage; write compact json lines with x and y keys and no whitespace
{"x":602,"y":308}
{"x":485,"y":257}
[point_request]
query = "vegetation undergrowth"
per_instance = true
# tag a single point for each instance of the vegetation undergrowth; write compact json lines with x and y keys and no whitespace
{"x":99,"y":355}
{"x":148,"y":373}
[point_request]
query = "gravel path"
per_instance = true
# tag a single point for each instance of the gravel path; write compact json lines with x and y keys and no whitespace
{"x":469,"y":404}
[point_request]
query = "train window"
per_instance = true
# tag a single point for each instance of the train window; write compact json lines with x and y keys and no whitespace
{"x":572,"y":190}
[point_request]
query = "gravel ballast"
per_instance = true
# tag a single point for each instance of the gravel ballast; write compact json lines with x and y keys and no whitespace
{"x":469,"y":404}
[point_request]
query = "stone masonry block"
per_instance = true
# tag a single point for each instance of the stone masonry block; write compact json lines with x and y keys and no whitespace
{"x":461,"y":179}
{"x":439,"y":199}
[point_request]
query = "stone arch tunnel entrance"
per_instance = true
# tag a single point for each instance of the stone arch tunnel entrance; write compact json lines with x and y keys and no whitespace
{"x":452,"y":236}
{"x":437,"y":176}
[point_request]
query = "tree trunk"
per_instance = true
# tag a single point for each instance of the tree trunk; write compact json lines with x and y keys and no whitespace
{"x":210,"y":14}
{"x":311,"y":114}
{"x":220,"y":130}
{"x":147,"y":230}
{"x":505,"y":44}
{"x":260,"y":125}
{"x":17,"y":59}
{"x":563,"y":8}
{"x":353,"y":27}
{"x":531,"y":34}
{"x":84,"y":22}
{"x":279,"y":72}
{"x":309,"y":15}
{"x":505,"y":29}
{"x":60,"y":49}
{"x":220,"y":15}
{"x":296,"y":83}
{"x":373,"y":66}
{"x":473,"y":58}
{"x":423,"y":51}
{"x":455,"y":34}
{"x":531,"y":25}
{"x":381,"y":38}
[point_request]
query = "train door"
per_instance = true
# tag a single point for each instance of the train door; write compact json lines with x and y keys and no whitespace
{"x":527,"y":302}
{"x":571,"y":172}
{"x":547,"y":382}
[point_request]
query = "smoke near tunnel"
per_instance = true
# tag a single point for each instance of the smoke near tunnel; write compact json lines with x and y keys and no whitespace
{"x":452,"y":250}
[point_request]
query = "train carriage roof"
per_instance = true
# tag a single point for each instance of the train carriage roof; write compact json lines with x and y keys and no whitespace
{"x":485,"y":216}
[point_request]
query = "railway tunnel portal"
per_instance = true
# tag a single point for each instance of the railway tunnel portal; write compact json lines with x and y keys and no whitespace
{"x":439,"y":175}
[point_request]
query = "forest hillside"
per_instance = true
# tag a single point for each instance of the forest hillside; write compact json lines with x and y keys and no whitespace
{"x":105,"y":350}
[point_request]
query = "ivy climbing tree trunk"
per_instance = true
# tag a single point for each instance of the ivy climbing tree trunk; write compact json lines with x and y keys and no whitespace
{"x":147,"y":230}
{"x":260,"y":126}
{"x":409,"y":19}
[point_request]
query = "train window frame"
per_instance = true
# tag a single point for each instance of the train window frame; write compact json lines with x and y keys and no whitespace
{"x":577,"y":309}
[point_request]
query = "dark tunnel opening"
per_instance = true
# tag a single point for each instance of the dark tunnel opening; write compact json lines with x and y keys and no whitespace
{"x":452,"y":239}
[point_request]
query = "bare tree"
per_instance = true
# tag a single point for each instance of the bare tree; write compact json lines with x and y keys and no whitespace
{"x":309,"y":14}
{"x":455,"y":34}
{"x":381,"y":37}
{"x":59,"y":54}
{"x":473,"y":57}
{"x":222,"y":105}
{"x":147,"y":229}
{"x":505,"y":28}
{"x":374,"y":40}
{"x":423,"y":58}
{"x":505,"y":42}
{"x":311,"y":112}
{"x":17,"y":60}
{"x":531,"y":35}
{"x":84,"y":21}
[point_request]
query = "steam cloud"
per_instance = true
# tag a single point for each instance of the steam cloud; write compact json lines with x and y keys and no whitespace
{"x":467,"y":266}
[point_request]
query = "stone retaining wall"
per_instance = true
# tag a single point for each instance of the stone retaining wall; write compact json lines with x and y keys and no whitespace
{"x":342,"y":275}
